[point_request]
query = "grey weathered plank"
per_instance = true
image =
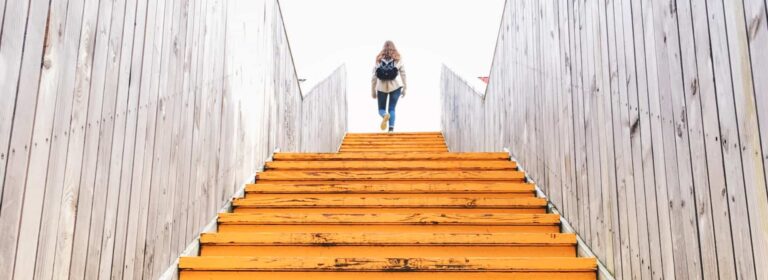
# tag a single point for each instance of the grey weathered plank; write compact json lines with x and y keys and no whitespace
{"x":628,"y":233}
{"x":632,"y":134}
{"x":128,"y":92}
{"x":162,"y":155}
{"x":728,"y":137}
{"x":692,"y":122}
{"x":683,"y":121}
{"x":94,"y":182}
{"x":676,"y":145}
{"x":79,"y":127}
{"x":738,"y":30}
{"x":122,"y":44}
{"x":28,"y":150}
{"x":130,"y":64}
{"x":64,"y":62}
{"x":710,"y":131}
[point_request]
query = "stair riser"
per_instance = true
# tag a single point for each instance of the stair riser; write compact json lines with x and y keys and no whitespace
{"x":393,"y":156}
{"x":390,"y":251}
{"x":387,"y":228}
{"x":215,"y":275}
{"x":365,"y":150}
{"x":399,"y":195}
{"x":384,"y":210}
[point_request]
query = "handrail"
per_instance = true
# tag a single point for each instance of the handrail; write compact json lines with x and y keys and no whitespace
{"x":310,"y":92}
{"x":484,"y":93}
{"x":474,"y":85}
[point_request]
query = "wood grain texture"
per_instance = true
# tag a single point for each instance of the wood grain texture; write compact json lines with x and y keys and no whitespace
{"x":374,"y":175}
{"x":391,"y":165}
{"x":403,"y":264}
{"x":392,"y":156}
{"x":374,"y":250}
{"x":361,"y":201}
{"x":208,"y":275}
{"x":362,"y":187}
{"x":390,"y":219}
{"x":387,"y":239}
{"x":662,"y":171}
{"x":125,"y":124}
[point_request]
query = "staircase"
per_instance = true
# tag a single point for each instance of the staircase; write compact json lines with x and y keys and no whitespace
{"x":389,"y":206}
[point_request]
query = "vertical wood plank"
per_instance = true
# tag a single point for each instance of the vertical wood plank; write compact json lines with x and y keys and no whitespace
{"x":63,"y":69}
{"x":728,"y":136}
{"x":40,"y":145}
{"x":748,"y":128}
{"x":130,"y":64}
{"x":29,"y":146}
{"x":78,"y":129}
{"x":704,"y":90}
{"x":84,"y":207}
{"x":691,"y":121}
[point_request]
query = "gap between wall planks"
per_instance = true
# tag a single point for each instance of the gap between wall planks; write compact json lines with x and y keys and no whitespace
{"x":663,"y":170}
{"x":125,"y":125}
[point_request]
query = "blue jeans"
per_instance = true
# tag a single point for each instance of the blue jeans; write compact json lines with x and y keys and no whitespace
{"x":383,"y":109}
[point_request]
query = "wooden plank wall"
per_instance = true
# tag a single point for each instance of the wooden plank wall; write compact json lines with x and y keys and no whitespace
{"x":125,"y":125}
{"x":645,"y":123}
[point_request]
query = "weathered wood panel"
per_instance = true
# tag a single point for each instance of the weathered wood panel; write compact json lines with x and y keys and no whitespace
{"x":643,"y":122}
{"x":125,"y":125}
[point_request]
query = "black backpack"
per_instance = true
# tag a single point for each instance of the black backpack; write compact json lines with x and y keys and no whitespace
{"x":387,"y":71}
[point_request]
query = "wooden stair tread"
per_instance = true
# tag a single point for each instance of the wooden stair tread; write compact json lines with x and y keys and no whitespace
{"x":392,"y":156}
{"x":389,"y":206}
{"x":397,"y":149}
{"x":391,"y":165}
{"x":377,"y":202}
{"x":397,"y":175}
{"x":391,"y":218}
{"x":364,"y":187}
{"x":386,"y":264}
{"x":373,"y":239}
{"x":436,"y":141}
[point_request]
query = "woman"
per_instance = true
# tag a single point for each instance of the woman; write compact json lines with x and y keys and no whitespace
{"x":388,"y":83}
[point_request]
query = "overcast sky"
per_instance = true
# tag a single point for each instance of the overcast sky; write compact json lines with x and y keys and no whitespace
{"x":326,"y":33}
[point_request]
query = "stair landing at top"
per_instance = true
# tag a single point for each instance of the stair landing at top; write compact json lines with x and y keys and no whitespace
{"x":389,"y":206}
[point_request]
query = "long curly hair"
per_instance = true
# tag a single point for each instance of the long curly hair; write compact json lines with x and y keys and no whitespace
{"x":389,"y":51}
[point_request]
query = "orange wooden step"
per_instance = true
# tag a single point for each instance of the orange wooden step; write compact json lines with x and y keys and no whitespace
{"x":393,"y":165}
{"x":479,"y":264}
{"x":392,"y":175}
{"x":394,"y":188}
{"x":382,"y":251}
{"x":368,"y":244}
{"x":389,"y":228}
{"x":388,"y":239}
{"x":406,"y":149}
{"x":379,"y":156}
{"x":389,"y":275}
{"x":486,"y":219}
{"x":428,"y":141}
{"x":407,"y":135}
{"x":394,"y":138}
{"x":370,"y":210}
{"x":365,"y":201}
{"x":441,"y":148}
{"x":487,"y":222}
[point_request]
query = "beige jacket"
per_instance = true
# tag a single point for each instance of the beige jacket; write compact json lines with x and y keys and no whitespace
{"x":389,"y":86}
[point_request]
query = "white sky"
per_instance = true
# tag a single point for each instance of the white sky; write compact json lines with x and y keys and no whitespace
{"x":326,"y":33}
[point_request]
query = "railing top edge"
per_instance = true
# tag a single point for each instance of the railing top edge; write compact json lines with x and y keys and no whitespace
{"x":478,"y":87}
{"x":342,"y":68}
